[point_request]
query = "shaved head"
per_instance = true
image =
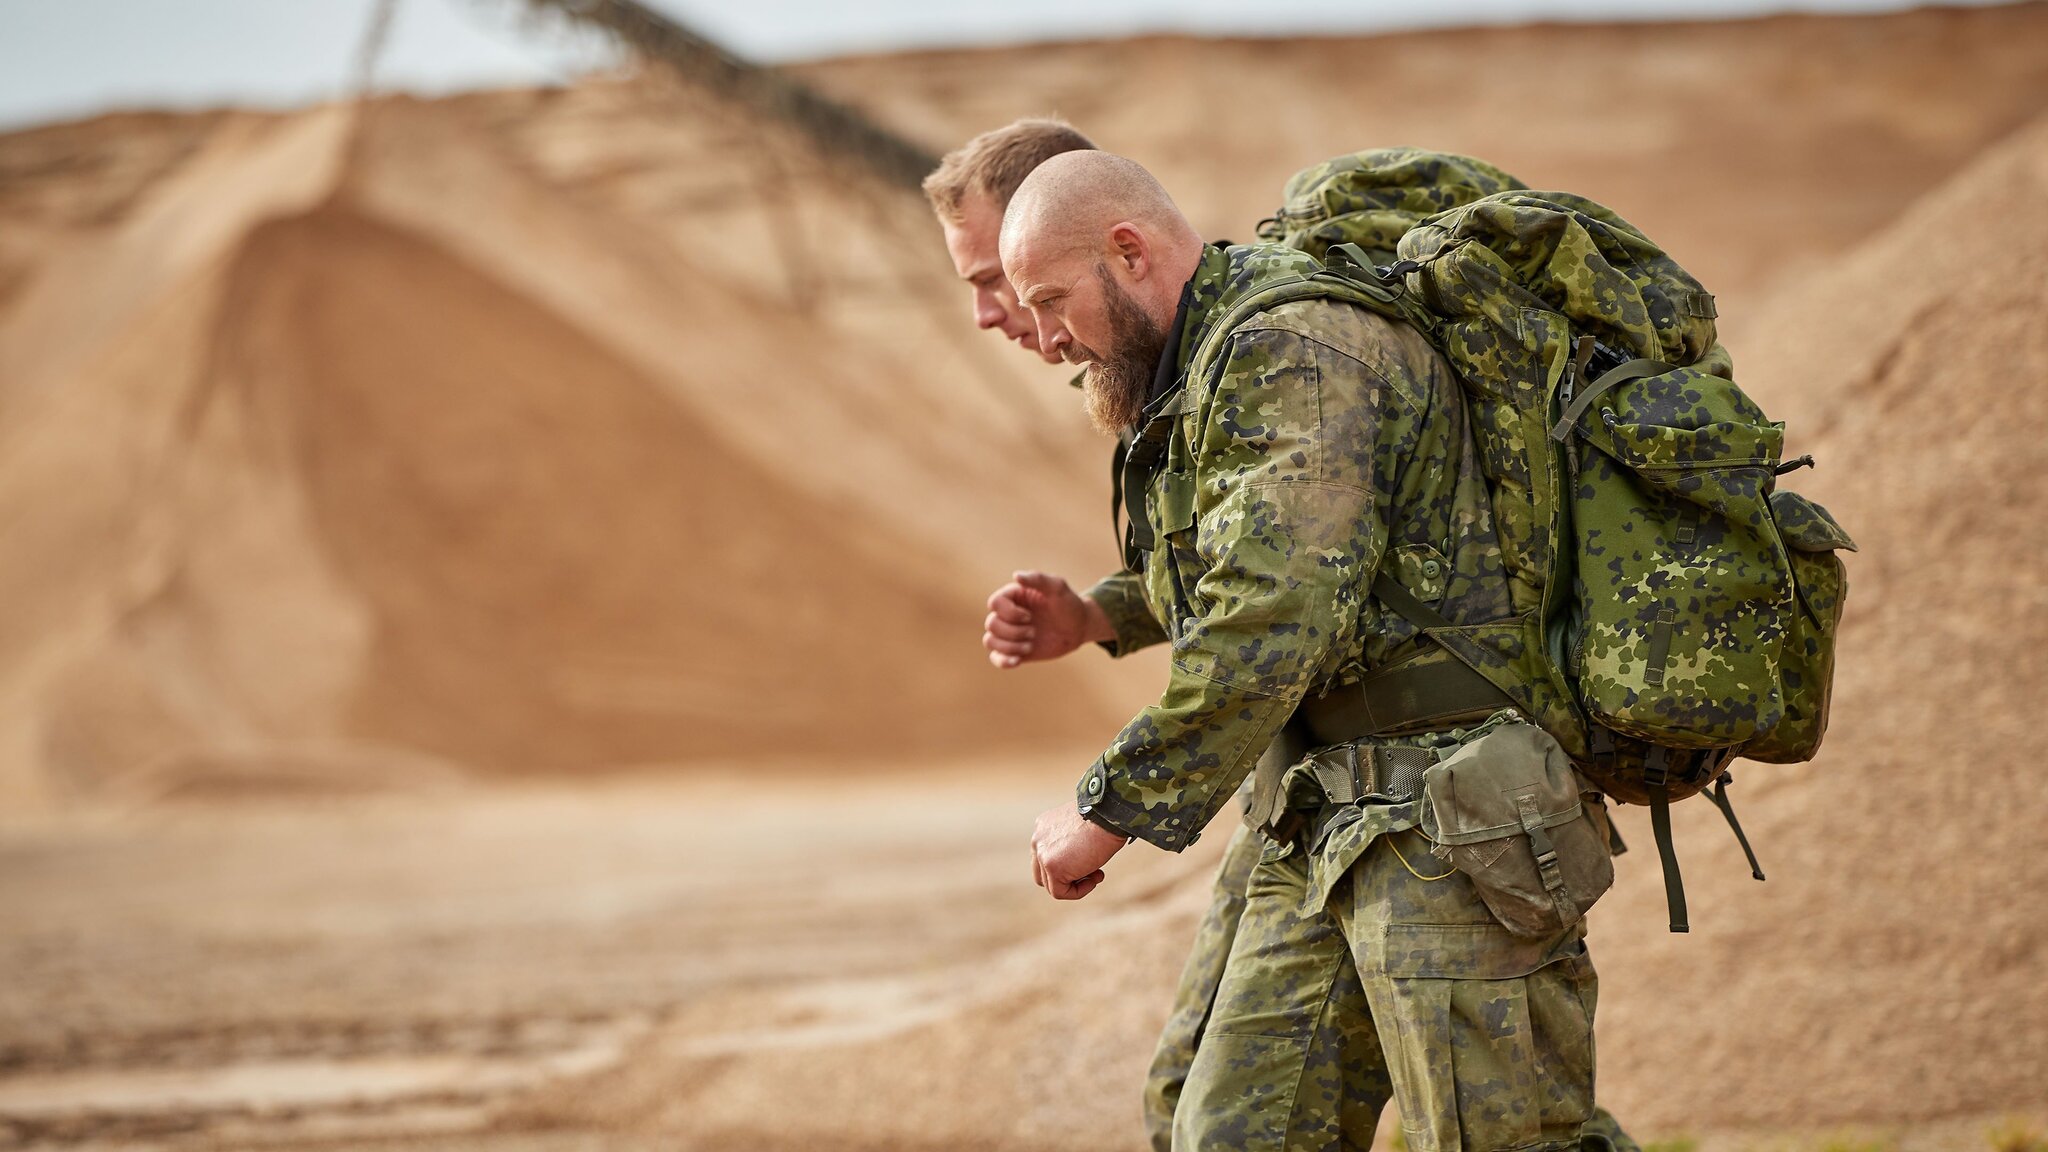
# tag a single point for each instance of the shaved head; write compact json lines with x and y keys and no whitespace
{"x":1073,"y":199}
{"x":1099,"y":252}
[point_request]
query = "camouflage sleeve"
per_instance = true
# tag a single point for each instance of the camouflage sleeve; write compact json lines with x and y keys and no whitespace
{"x":1122,"y":597}
{"x":1286,"y":534}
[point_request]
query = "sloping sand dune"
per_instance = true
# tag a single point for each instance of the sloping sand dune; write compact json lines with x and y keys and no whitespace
{"x":392,"y":450}
{"x":1750,"y":148}
{"x":1890,"y":968}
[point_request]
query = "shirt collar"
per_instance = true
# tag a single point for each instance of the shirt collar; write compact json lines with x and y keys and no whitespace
{"x":1197,"y":297}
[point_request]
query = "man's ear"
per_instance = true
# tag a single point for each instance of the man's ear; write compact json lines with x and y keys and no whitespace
{"x":1130,"y":246}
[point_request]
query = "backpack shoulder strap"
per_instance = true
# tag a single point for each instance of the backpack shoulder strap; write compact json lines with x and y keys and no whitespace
{"x":1350,"y":282}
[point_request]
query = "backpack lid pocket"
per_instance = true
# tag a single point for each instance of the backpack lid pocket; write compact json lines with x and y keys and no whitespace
{"x":1652,"y":447}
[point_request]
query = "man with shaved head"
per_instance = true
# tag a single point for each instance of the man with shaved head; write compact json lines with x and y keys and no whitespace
{"x":1296,"y":464}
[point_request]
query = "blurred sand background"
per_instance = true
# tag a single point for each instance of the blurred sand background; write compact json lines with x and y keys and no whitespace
{"x":491,"y":589}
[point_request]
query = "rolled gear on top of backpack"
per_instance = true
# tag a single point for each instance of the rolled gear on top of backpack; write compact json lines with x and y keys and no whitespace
{"x":1373,"y":198}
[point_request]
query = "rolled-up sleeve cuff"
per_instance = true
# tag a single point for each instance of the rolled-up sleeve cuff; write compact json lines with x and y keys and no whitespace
{"x":1123,"y":601}
{"x":1097,"y":798}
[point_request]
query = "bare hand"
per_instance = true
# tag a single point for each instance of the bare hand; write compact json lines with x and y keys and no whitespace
{"x":1068,"y":852}
{"x":1040,"y":617}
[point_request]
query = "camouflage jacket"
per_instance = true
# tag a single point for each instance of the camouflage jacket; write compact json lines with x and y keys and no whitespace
{"x":1317,"y":443}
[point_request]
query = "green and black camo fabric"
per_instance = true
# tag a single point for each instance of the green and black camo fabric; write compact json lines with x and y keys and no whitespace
{"x":1373,"y":198}
{"x":1316,"y":441}
{"x":1683,"y":586}
{"x":1290,"y":1059}
{"x":1807,"y":659}
{"x":1121,"y":595}
{"x":1405,"y":989}
{"x":1679,"y":615}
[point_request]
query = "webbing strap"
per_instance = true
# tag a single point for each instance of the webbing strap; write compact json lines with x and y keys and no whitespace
{"x":1124,"y":541}
{"x":1347,"y":775}
{"x":1405,"y":603}
{"x":1394,"y":773}
{"x":1719,"y":795}
{"x":1656,"y":777}
{"x":1674,"y":885}
{"x":1136,"y":464}
{"x":1545,"y":852}
{"x":1659,"y":654}
{"x":1340,"y":778}
{"x":1622,"y":374}
{"x":1265,"y":803}
{"x":1353,"y":772}
{"x":1582,"y":355}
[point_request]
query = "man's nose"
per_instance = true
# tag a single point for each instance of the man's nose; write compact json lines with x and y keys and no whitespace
{"x":1051,"y":342}
{"x":987,"y":312}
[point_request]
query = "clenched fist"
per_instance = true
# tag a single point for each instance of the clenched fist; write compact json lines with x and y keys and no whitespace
{"x":1040,"y":617}
{"x":1068,"y":852}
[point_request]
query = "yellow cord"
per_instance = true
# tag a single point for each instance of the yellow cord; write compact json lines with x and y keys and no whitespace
{"x":1411,"y":867}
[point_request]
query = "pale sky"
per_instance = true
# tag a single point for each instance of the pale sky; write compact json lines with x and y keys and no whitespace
{"x":67,"y":58}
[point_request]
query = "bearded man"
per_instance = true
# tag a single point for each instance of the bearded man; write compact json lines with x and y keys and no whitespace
{"x":1293,"y":450}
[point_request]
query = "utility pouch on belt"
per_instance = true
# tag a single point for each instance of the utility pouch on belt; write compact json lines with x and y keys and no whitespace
{"x":1505,"y":809}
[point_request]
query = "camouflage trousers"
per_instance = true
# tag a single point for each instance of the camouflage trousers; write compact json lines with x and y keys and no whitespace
{"x":1273,"y":1040}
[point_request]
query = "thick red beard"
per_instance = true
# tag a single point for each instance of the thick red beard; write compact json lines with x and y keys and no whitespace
{"x":1117,"y":385}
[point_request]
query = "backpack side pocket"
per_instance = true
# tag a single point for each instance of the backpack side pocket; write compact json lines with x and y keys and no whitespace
{"x":1806,"y":665}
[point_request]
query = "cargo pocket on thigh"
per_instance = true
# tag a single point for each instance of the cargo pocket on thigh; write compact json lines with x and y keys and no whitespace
{"x":1489,"y":1038}
{"x":1240,"y":1092}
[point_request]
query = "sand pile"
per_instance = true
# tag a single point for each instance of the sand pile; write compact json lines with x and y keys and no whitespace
{"x":364,"y":462}
{"x":1886,"y":972}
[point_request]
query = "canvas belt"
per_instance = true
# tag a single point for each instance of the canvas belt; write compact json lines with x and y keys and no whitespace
{"x":1420,"y":695}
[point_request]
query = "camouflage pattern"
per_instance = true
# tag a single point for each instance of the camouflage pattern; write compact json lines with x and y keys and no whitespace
{"x":1373,"y":198}
{"x":1681,"y":625}
{"x":1509,"y":281}
{"x":1290,"y":1058}
{"x":1122,"y":598}
{"x":1335,"y":1073}
{"x":1682,"y":585}
{"x":1314,"y":439}
{"x":1807,"y":659}
{"x":1195,"y":997}
{"x":1489,"y":1036}
{"x":1405,"y":989}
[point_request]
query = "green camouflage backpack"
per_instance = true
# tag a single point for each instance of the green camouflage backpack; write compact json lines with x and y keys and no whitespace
{"x":1676,"y":609}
